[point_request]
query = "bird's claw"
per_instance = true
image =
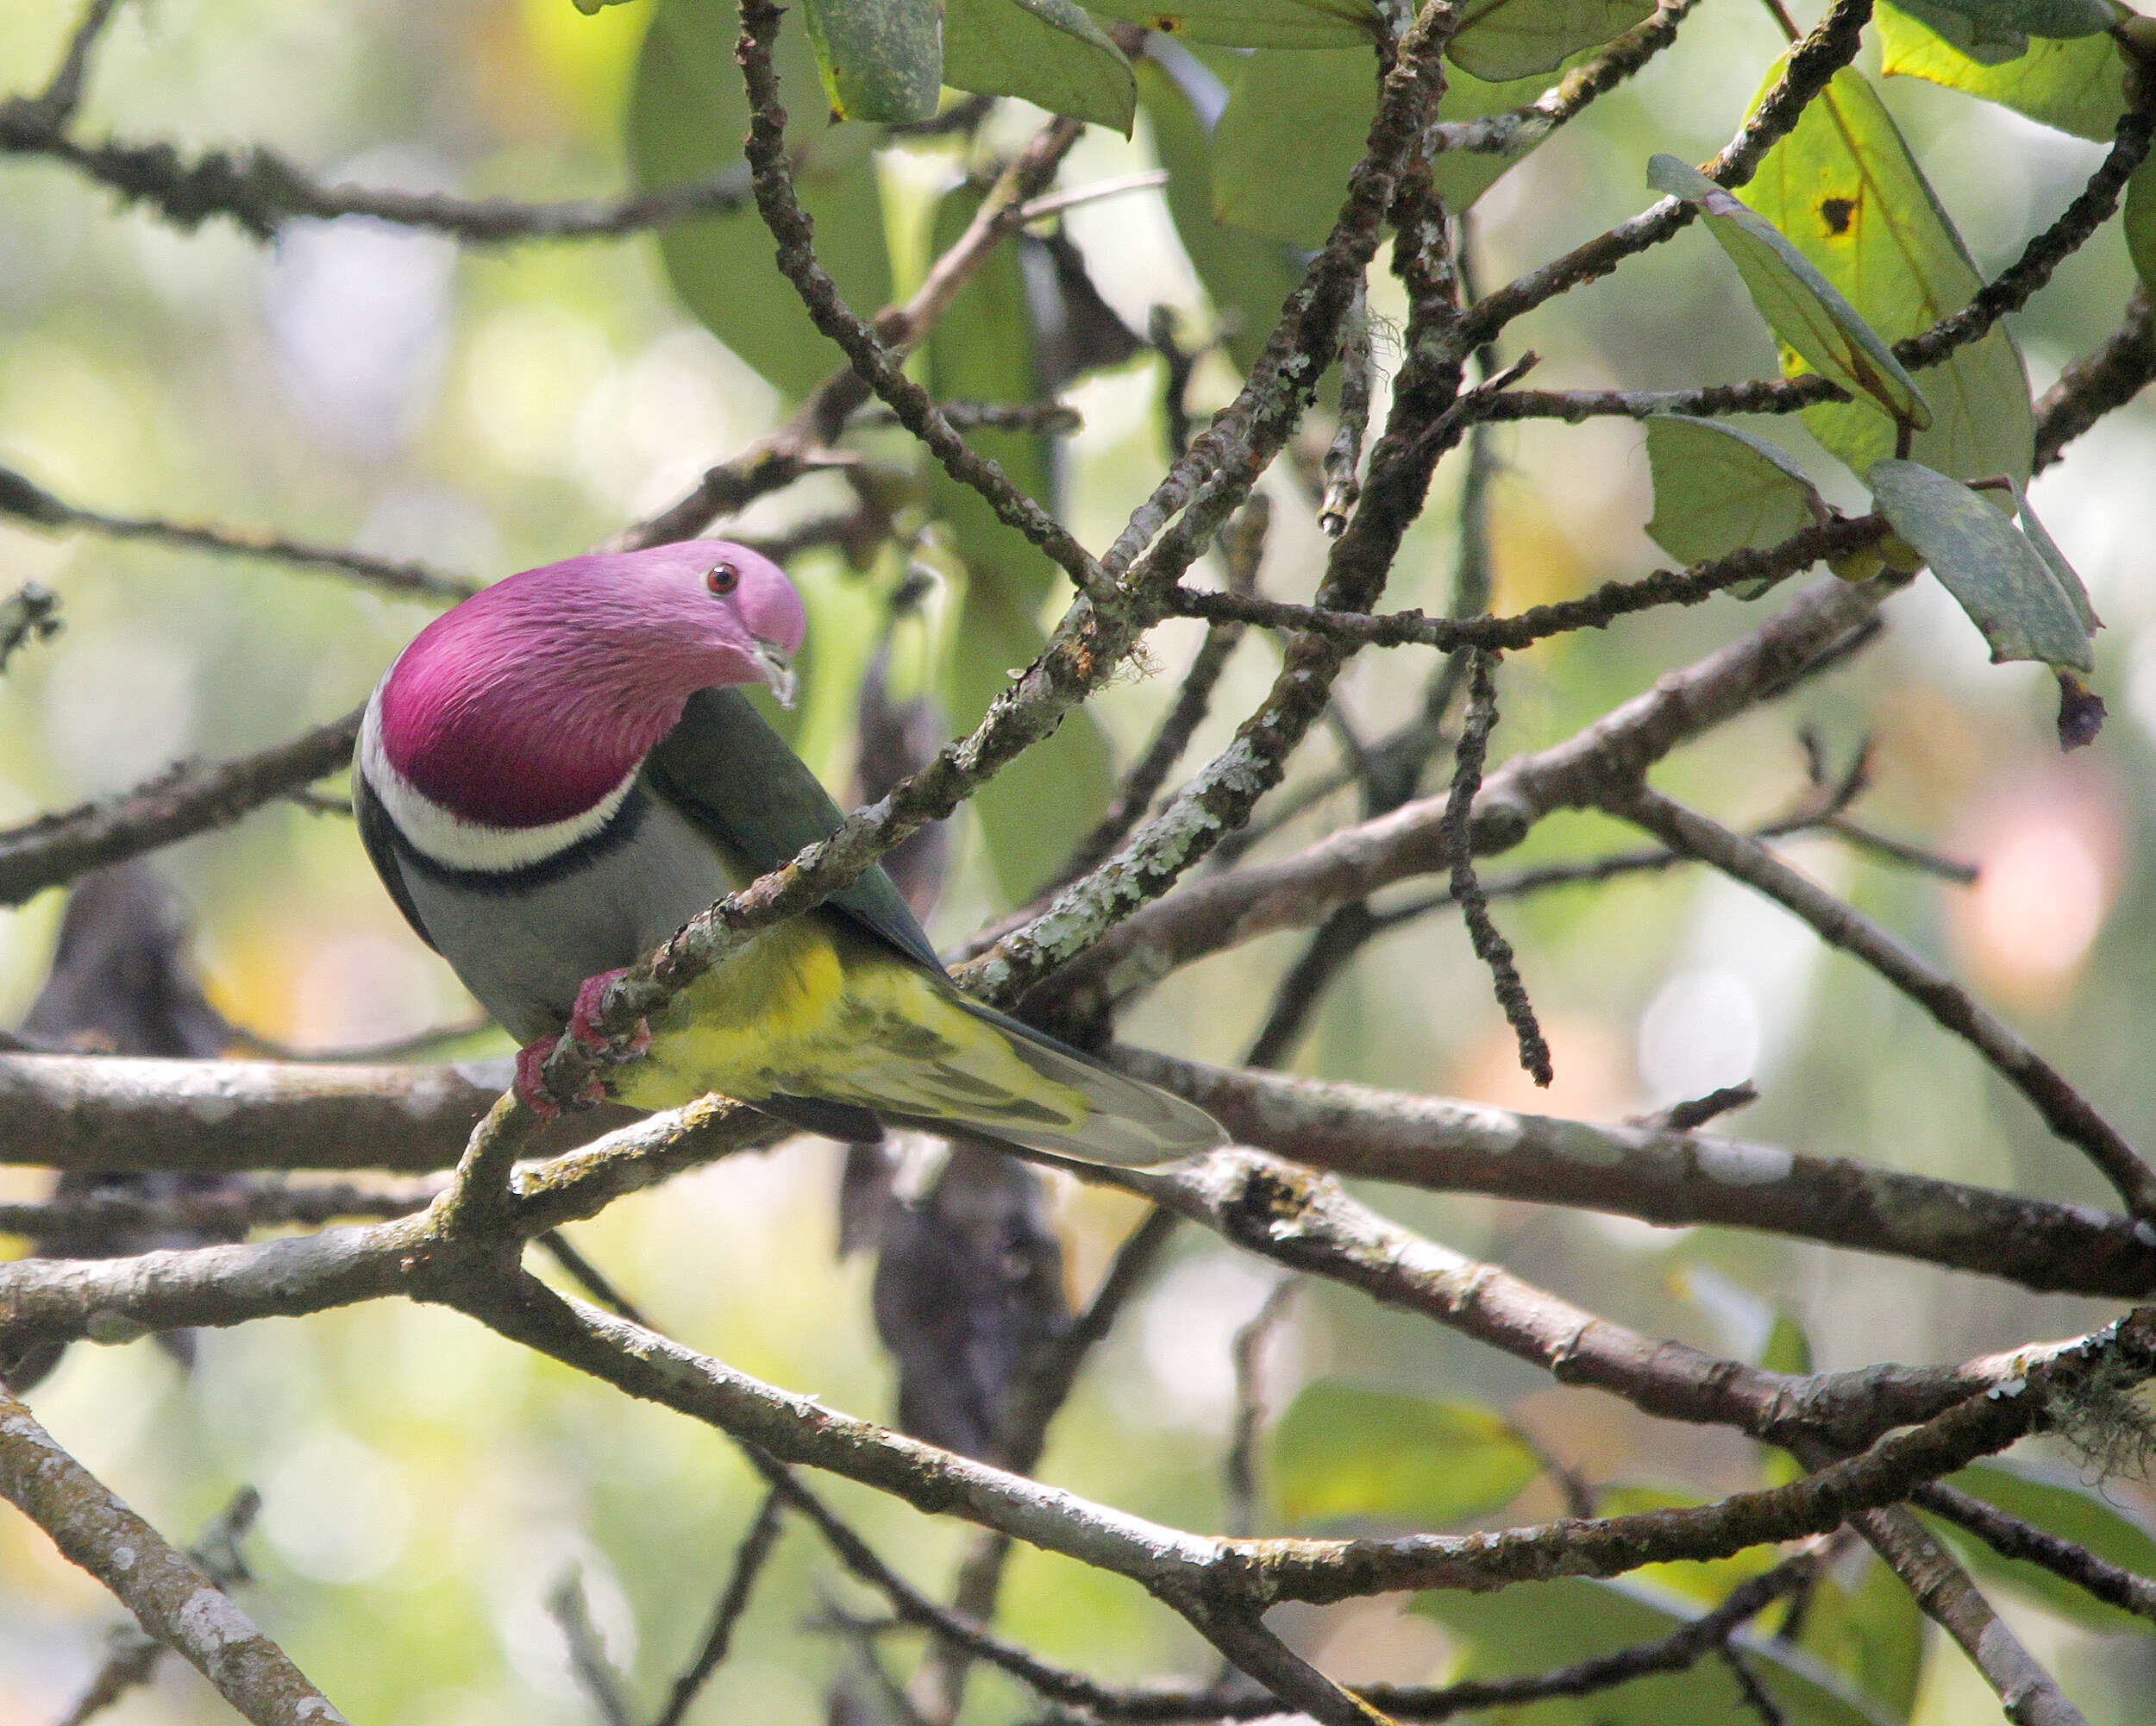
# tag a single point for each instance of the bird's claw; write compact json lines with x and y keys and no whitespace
{"x":584,"y":1022}
{"x":531,"y":1082}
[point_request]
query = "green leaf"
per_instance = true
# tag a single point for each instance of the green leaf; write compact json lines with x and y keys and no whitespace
{"x":1993,"y":20}
{"x":1788,"y":1348}
{"x":2140,"y":220}
{"x":1343,"y":1451}
{"x":1717,"y":489}
{"x":1325,"y":101}
{"x":2000,"y":579}
{"x":1865,"y":1625}
{"x":1537,"y":1626}
{"x":1247,"y":278}
{"x":982,"y":349}
{"x":687,"y":116}
{"x":2062,"y":1506}
{"x":1808,"y":312}
{"x":1705,"y":1580}
{"x":1049,"y":52}
{"x":1460,"y":177}
{"x":1252,"y":23}
{"x":1506,"y":39}
{"x":881,"y":60}
{"x":1843,"y":185}
{"x":2065,"y":574}
{"x":2078,"y":86}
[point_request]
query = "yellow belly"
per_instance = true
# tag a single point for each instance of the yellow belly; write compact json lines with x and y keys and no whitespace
{"x":813,"y":1009}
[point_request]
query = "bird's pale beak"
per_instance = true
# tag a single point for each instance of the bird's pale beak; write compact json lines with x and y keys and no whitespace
{"x":778,"y":674}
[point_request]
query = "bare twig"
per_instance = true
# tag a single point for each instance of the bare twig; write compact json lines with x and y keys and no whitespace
{"x":1490,"y":947}
{"x":2011,"y":1537}
{"x":748,"y":1562}
{"x":1811,"y":65}
{"x":2064,"y":1109}
{"x":1239,"y":1467}
{"x":1515,"y":131}
{"x":24,"y":501}
{"x":587,"y":1656}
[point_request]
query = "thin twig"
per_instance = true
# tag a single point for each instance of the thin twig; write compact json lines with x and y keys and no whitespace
{"x":1239,"y":1468}
{"x":2063,"y":1109}
{"x":748,"y":1562}
{"x":2011,"y":1537}
{"x":587,"y":1653}
{"x":25,"y":501}
{"x":1490,"y":947}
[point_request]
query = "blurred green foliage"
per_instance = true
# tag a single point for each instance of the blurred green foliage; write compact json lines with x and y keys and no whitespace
{"x":426,"y":1483}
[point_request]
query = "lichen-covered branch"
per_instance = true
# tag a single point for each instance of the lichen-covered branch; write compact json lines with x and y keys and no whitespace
{"x":167,"y":1591}
{"x":1354,"y":862}
{"x":1811,"y":66}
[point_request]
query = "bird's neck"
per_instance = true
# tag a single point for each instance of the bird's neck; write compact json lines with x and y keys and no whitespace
{"x":518,"y":740}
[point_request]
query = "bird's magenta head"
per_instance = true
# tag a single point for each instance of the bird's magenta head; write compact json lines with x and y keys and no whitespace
{"x":532,"y":701}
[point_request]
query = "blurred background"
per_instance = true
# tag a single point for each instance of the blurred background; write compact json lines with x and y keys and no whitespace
{"x":487,"y":409}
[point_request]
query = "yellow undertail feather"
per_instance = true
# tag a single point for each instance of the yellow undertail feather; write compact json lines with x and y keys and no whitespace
{"x":813,"y":1010}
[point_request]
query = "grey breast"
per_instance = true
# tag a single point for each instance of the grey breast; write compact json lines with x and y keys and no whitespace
{"x":525,"y":943}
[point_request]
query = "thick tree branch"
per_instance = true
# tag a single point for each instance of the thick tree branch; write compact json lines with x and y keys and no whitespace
{"x":1675,"y":1178}
{"x":167,"y":1591}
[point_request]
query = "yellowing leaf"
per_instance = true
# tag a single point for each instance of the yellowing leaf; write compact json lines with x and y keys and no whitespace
{"x":1252,"y":23}
{"x":2078,"y":86}
{"x":1507,"y":39}
{"x":1717,"y":489}
{"x":1843,"y":186}
{"x":1049,"y":52}
{"x":1325,"y":101}
{"x":1800,"y":305}
{"x":2002,"y":581}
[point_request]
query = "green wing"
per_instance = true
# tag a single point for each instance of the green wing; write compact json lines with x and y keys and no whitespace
{"x":734,"y":777}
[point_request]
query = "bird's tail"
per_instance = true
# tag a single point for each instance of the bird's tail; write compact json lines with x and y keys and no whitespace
{"x":820,"y":1023}
{"x":1121,"y":1121}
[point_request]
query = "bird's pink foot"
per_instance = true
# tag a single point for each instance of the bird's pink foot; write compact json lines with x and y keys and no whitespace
{"x":531,"y":1081}
{"x":583,"y":1021}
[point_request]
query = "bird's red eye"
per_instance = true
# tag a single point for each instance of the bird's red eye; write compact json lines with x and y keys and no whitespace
{"x":721,"y":579}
